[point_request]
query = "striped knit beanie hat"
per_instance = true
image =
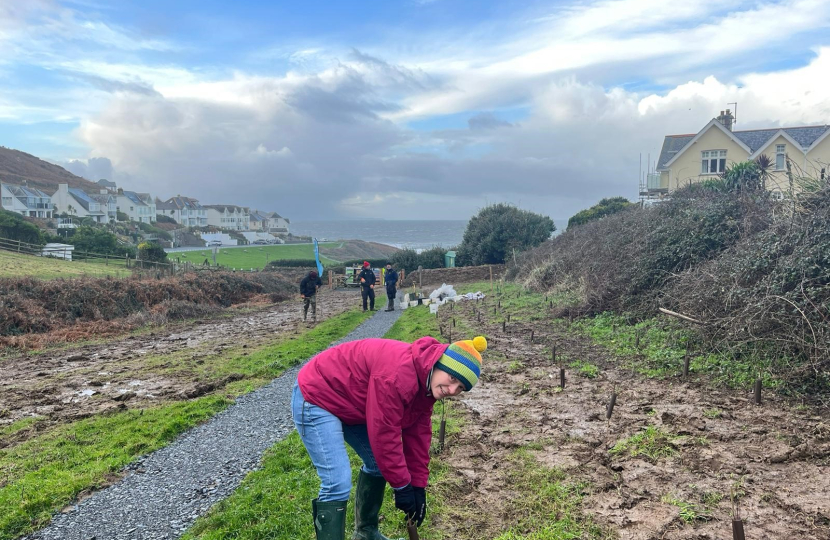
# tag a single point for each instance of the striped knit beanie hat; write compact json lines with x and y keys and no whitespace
{"x":462,"y":360}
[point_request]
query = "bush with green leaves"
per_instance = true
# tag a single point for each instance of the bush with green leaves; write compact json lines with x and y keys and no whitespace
{"x":500,"y":230}
{"x":14,"y":227}
{"x":151,"y":252}
{"x":161,"y":218}
{"x":604,"y":207}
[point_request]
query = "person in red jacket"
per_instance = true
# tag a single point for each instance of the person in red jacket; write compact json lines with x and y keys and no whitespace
{"x":376,"y":395}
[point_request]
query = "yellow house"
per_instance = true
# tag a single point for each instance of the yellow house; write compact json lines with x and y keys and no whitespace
{"x":685,"y":159}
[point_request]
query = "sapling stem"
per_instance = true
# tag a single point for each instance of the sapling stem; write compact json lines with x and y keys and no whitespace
{"x":562,"y":378}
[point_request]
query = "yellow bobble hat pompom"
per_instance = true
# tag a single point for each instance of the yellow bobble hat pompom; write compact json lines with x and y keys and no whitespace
{"x":480,"y":343}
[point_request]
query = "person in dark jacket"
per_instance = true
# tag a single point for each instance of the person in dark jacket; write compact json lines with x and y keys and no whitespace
{"x":366,"y":278}
{"x":391,"y":278}
{"x":308,"y":292}
{"x":377,"y":396}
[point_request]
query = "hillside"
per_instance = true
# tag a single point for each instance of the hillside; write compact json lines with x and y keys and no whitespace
{"x":357,"y":249}
{"x":17,"y":167}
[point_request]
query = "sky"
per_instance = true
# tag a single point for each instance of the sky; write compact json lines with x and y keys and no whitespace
{"x":397,"y":109}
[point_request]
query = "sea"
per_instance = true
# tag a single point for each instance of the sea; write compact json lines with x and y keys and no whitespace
{"x":414,"y":234}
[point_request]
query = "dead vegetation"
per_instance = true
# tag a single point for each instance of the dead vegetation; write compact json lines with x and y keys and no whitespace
{"x":753,"y":270}
{"x":29,"y":307}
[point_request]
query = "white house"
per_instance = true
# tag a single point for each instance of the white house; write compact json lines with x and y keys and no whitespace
{"x":185,"y":210}
{"x":138,"y":206}
{"x":26,"y":201}
{"x":228,"y":216}
{"x":108,"y":203}
{"x":76,"y":203}
{"x":278,"y":224}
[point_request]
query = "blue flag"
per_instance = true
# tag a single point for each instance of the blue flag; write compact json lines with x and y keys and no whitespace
{"x":317,"y":259}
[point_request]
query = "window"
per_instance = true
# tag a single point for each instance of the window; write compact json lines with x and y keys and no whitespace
{"x":7,"y":201}
{"x":780,"y":157}
{"x":713,"y":161}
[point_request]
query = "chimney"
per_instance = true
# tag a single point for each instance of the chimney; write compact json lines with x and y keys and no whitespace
{"x":726,"y":119}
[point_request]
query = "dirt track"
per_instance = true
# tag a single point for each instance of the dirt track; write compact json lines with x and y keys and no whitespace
{"x":65,"y":384}
{"x":774,"y":456}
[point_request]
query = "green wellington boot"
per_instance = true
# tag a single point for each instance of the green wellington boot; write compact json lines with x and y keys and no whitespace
{"x":368,"y":500}
{"x":329,"y":519}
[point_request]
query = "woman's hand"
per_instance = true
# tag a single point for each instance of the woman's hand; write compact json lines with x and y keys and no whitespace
{"x":412,"y":502}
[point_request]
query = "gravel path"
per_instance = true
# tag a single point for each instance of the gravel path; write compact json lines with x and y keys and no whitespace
{"x":164,"y":492}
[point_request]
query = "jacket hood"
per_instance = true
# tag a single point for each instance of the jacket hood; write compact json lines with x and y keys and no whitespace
{"x":426,"y":352}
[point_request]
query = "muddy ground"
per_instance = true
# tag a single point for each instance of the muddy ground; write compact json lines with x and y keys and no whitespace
{"x":77,"y":381}
{"x":773,"y":456}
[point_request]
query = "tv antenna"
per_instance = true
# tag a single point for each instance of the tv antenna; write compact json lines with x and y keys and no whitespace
{"x":735,"y":115}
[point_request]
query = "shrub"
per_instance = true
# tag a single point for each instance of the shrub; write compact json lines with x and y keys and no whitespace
{"x":603,"y":208}
{"x":161,"y":218}
{"x":432,"y":258}
{"x":151,"y":252}
{"x":406,"y":259}
{"x":14,"y":227}
{"x":498,"y":231}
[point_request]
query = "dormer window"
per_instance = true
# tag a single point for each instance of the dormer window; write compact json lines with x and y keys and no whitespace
{"x":713,"y":161}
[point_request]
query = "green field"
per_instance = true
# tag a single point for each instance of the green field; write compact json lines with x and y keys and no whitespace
{"x":253,"y":256}
{"x":19,"y":265}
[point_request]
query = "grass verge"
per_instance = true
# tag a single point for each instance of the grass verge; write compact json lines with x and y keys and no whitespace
{"x":16,"y":265}
{"x":662,"y":349}
{"x":45,"y":473}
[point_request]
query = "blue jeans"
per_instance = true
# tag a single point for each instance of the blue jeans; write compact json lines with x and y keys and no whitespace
{"x":324,"y":436}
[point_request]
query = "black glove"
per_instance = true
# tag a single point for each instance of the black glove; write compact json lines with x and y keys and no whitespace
{"x":412,"y":502}
{"x":421,"y":501}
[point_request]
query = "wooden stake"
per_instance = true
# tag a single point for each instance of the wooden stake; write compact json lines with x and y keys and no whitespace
{"x":757,"y":390}
{"x":637,"y":340}
{"x":562,"y":378}
{"x":610,"y":409}
{"x":531,"y":336}
{"x":553,"y":354}
{"x":508,"y":317}
{"x":504,"y":327}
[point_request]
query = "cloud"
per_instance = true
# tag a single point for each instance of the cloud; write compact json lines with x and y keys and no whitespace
{"x":486,"y":121}
{"x":92,"y":169}
{"x":331,"y":135}
{"x":325,"y":149}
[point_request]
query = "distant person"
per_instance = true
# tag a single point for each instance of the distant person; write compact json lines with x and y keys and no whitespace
{"x":377,"y":396}
{"x":308,"y":292}
{"x":366,"y":278}
{"x":391,"y":278}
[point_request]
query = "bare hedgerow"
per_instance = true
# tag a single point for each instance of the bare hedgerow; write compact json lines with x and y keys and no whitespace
{"x":755,"y":271}
{"x":33,"y":306}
